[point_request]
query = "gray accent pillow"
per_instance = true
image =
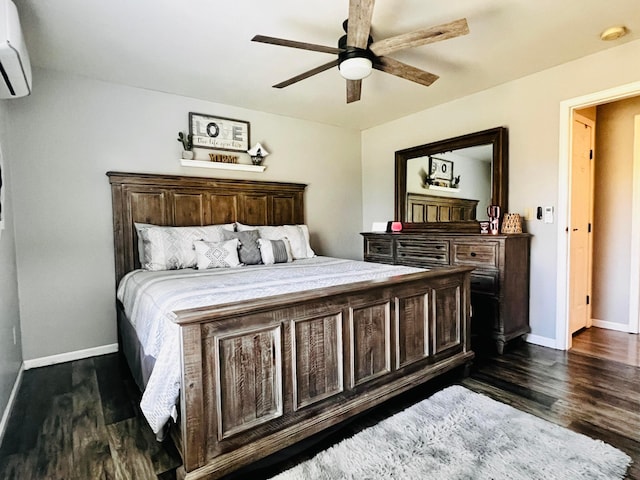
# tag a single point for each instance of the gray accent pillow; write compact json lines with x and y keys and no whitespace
{"x":298,"y":236}
{"x":249,"y":250}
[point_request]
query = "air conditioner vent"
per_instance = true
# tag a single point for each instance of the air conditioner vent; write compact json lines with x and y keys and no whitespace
{"x":15,"y":69}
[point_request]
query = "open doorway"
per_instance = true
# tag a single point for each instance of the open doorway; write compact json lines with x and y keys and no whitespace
{"x":628,"y":321}
{"x":601,"y":238}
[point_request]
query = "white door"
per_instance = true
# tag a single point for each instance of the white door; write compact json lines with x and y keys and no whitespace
{"x":581,"y":219}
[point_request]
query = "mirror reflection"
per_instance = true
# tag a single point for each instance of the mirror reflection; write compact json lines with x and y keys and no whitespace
{"x":447,"y":185}
{"x":463,"y":174}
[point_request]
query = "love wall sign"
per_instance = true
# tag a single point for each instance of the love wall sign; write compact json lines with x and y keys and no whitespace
{"x":219,"y":133}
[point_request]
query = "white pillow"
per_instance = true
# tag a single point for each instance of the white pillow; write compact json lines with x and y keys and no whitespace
{"x":275,"y":251}
{"x":171,"y":248}
{"x":298,"y":236}
{"x":217,"y":254}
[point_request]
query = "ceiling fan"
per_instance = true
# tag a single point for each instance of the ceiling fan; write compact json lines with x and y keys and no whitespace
{"x":358,"y":53}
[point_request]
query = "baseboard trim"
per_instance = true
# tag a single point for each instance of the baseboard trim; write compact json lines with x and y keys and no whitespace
{"x":542,"y":341}
{"x":70,"y":356}
{"x":620,"y":327}
{"x":12,"y":399}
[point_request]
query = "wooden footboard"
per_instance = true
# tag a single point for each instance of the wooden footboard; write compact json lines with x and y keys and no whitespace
{"x":263,"y":374}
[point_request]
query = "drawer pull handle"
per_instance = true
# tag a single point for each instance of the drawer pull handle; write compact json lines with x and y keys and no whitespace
{"x":473,"y":254}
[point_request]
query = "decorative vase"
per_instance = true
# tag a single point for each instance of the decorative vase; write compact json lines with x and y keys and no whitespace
{"x":511,"y":223}
{"x":187,"y":154}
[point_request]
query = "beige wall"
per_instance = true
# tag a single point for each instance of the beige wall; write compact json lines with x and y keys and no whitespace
{"x":613,"y":190}
{"x":10,"y":353}
{"x":72,"y":130}
{"x":529,"y":107}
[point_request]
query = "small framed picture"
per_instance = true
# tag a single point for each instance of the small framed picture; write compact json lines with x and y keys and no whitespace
{"x":441,"y":169}
{"x":219,"y":133}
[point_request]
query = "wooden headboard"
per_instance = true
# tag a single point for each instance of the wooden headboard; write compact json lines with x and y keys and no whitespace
{"x":430,"y":208}
{"x":183,"y":201}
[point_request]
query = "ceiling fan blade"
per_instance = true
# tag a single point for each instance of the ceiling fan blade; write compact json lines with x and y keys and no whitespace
{"x":354,"y":88}
{"x":402,"y":70}
{"x":420,"y":37}
{"x":293,"y":44}
{"x":308,"y":74}
{"x":359,"y":24}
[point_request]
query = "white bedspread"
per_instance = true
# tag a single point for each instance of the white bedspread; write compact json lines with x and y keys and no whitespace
{"x":150,"y":298}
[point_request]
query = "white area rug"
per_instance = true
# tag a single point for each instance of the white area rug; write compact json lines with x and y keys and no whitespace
{"x":459,"y":434}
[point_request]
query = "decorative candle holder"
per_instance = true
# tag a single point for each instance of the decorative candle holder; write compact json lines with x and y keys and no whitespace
{"x":396,"y":226}
{"x":494,"y":219}
{"x":511,"y":223}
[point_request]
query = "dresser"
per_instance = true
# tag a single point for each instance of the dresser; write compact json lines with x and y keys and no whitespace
{"x":499,"y":283}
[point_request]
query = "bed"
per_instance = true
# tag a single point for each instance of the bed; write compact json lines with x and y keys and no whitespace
{"x":258,"y":373}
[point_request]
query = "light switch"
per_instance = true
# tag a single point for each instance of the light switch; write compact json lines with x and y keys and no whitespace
{"x":548,"y":214}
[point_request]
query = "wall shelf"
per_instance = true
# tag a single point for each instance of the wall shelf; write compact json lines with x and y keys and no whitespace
{"x":442,"y":189}
{"x":222,"y":166}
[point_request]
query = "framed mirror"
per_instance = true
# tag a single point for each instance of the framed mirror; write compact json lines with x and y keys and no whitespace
{"x":448,"y":185}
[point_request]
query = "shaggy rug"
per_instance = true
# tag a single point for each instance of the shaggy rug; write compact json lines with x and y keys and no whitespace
{"x":459,"y":434}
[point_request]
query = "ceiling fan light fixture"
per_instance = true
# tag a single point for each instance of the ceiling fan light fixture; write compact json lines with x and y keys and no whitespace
{"x":355,"y":68}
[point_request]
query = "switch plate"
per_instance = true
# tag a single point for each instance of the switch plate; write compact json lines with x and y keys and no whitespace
{"x":548,"y":214}
{"x":539,"y":213}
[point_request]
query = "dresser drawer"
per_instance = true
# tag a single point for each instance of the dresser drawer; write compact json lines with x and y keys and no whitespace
{"x":422,"y":251}
{"x":484,"y":282}
{"x":379,"y":247}
{"x":481,"y":254}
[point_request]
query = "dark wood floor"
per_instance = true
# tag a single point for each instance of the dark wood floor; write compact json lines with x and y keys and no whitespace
{"x":80,"y":420}
{"x":609,"y":344}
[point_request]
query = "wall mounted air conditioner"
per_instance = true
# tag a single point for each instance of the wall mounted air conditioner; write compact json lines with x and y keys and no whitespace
{"x":15,"y":69}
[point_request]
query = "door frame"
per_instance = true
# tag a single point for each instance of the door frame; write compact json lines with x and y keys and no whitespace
{"x":567,"y":107}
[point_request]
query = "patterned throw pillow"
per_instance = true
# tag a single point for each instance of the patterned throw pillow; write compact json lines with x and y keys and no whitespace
{"x":275,"y":251}
{"x":171,"y":248}
{"x":249,"y":250}
{"x":298,"y":236}
{"x":217,"y":254}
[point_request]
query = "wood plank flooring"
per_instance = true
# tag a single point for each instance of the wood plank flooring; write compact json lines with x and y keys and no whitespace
{"x":597,"y":397}
{"x":617,"y":346}
{"x":80,"y":420}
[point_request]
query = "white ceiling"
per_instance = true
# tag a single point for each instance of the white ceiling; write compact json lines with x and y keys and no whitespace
{"x":202,"y":48}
